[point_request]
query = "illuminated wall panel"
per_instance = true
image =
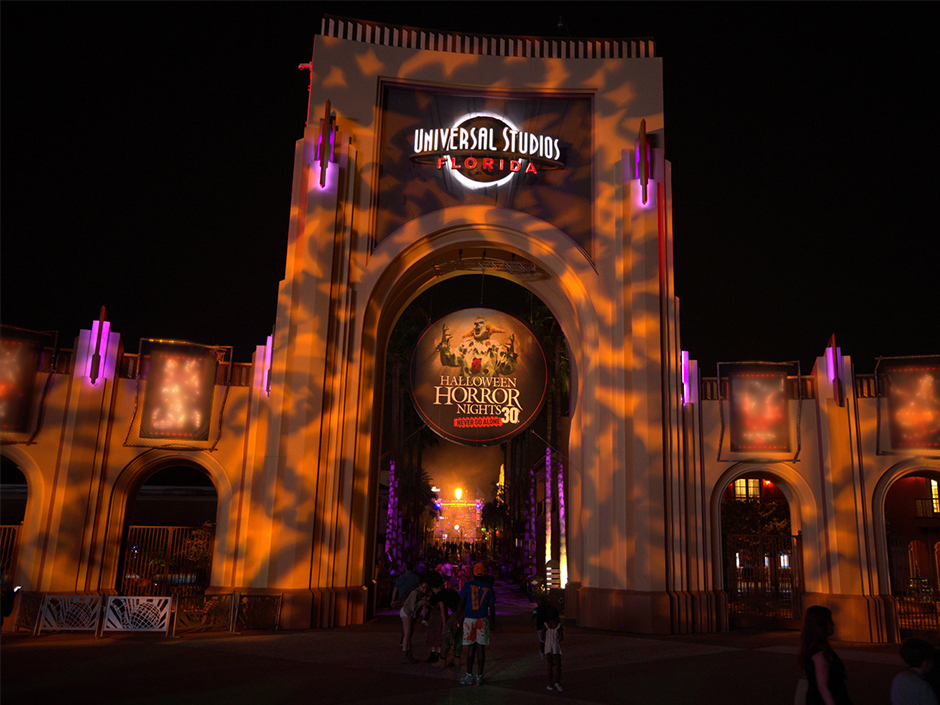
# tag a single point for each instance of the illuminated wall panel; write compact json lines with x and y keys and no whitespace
{"x":19,"y":362}
{"x":759,"y":410}
{"x":178,"y":398}
{"x":913,"y":392}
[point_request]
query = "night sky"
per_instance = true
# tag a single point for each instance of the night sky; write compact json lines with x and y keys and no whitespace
{"x":147,"y":153}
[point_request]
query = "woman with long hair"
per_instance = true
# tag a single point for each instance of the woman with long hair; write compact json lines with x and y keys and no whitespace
{"x":824,"y":670}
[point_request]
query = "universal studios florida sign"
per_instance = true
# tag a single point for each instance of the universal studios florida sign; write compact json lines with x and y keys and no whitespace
{"x":483,"y":149}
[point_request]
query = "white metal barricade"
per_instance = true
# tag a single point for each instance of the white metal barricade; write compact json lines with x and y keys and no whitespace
{"x":137,"y":614}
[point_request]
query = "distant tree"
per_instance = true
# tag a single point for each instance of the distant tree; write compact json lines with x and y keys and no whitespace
{"x":495,"y":517}
{"x":755,"y":516}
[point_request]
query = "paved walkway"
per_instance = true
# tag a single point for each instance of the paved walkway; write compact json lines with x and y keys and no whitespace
{"x":363,"y":664}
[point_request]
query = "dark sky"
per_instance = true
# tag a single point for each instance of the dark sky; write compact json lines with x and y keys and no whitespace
{"x":147,"y":153}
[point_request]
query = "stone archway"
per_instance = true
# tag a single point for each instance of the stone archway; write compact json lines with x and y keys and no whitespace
{"x":125,"y":490}
{"x":510,"y":530}
{"x":890,"y":477}
{"x":763,"y":574}
{"x":29,"y":537}
{"x":908,"y":551}
{"x":403,"y":269}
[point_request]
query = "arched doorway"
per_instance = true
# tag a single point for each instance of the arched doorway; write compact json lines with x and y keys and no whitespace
{"x":761,"y":555}
{"x":511,"y":508}
{"x":13,"y":496}
{"x":912,"y":528}
{"x":169,"y":533}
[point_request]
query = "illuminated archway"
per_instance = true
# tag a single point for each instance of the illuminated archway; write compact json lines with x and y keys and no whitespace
{"x":133,"y":476}
{"x":800,"y":500}
{"x":762,"y":572}
{"x":169,"y":533}
{"x":401,"y":268}
{"x":890,"y":478}
{"x":515,"y":462}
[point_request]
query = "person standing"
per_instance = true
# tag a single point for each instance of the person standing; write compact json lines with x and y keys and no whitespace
{"x":554,"y":633}
{"x":434,"y":616}
{"x":405,"y":583}
{"x":449,"y":599}
{"x":539,"y":615}
{"x":443,"y":604}
{"x":8,"y":597}
{"x":824,"y":670}
{"x":476,"y":597}
{"x":910,"y":687}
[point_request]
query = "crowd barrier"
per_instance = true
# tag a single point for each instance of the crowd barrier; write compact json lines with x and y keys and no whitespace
{"x":38,"y":612}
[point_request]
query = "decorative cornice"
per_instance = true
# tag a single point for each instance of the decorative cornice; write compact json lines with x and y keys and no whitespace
{"x":488,"y":45}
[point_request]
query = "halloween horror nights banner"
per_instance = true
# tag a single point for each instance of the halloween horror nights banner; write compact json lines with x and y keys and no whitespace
{"x":912,"y":388}
{"x":478,"y":377}
{"x":527,"y":151}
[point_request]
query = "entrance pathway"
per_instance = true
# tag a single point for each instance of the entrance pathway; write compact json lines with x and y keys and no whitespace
{"x":363,"y":665}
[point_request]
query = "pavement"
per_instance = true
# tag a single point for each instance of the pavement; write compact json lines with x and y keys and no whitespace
{"x":363,"y":664}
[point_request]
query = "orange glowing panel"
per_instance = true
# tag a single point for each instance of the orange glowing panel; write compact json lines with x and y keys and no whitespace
{"x":914,"y":405}
{"x":178,"y":398}
{"x":19,"y":361}
{"x":759,"y":410}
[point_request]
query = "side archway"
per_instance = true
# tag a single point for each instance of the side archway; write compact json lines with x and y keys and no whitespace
{"x":29,"y":539}
{"x":888,"y":480}
{"x":133,"y":476}
{"x":804,"y":515}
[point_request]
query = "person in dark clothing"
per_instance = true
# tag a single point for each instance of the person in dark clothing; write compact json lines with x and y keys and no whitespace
{"x":490,"y":580}
{"x":824,"y":670}
{"x":7,"y":599}
{"x":539,"y":615}
{"x":405,"y":583}
{"x":443,"y":606}
{"x":912,"y":687}
{"x":554,"y":634}
{"x":453,"y":627}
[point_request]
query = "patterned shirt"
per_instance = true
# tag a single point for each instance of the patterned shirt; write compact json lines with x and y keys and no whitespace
{"x":478,"y":597}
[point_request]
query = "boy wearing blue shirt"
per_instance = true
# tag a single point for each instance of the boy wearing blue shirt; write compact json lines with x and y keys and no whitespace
{"x":476,"y":598}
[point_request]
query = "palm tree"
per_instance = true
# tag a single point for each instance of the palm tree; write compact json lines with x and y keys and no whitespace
{"x":404,"y":427}
{"x":496,"y":519}
{"x":418,"y":507}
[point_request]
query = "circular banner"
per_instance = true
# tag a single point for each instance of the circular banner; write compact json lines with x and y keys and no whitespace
{"x":478,"y":376}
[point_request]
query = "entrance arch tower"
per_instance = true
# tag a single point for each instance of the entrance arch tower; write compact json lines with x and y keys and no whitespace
{"x":422,"y":145}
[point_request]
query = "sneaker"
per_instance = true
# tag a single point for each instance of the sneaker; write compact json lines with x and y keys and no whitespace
{"x":480,"y":679}
{"x":558,"y":687}
{"x":467,"y":680}
{"x":551,"y":687}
